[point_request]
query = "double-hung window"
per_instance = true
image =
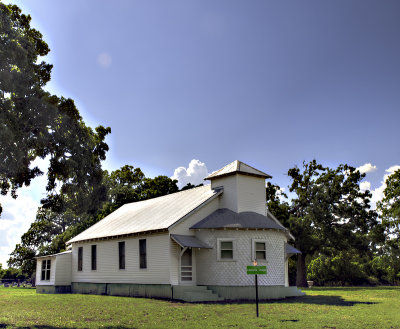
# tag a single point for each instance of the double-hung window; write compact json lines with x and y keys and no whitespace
{"x":259,"y":250}
{"x":80,"y":258}
{"x":142,"y":253}
{"x":46,"y":268}
{"x":94,"y":257}
{"x":121,"y":254}
{"x":226,"y":249}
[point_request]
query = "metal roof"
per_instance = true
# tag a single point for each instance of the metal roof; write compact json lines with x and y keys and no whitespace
{"x":60,"y":253}
{"x":237,"y":167}
{"x":226,"y":218}
{"x":290,"y":250}
{"x":149,"y":215}
{"x":189,"y":241}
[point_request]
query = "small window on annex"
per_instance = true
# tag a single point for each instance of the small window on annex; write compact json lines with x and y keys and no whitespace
{"x":46,"y":268}
{"x":80,"y":258}
{"x":225,"y":251}
{"x":143,"y":253}
{"x":121,"y":254}
{"x":94,"y":257}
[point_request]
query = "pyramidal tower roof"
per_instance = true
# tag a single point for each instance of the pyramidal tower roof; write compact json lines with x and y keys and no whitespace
{"x":237,"y":167}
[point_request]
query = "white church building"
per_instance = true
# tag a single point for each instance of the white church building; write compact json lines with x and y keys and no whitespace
{"x":193,"y":245}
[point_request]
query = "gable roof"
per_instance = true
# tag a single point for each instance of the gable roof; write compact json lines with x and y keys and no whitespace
{"x":226,"y":218}
{"x":149,"y":215}
{"x":237,"y":167}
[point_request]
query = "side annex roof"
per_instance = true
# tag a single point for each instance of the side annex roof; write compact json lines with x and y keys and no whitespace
{"x":149,"y":215}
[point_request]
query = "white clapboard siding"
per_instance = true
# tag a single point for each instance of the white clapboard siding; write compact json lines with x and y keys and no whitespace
{"x":183,"y":227}
{"x":63,"y":273}
{"x":39,"y":281}
{"x":174,"y":255}
{"x":251,"y":194}
{"x":210,"y":271}
{"x":242,"y":193}
{"x":228,"y":199}
{"x":157,"y":271}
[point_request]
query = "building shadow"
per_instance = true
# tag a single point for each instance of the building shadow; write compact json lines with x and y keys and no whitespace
{"x":3,"y":325}
{"x":321,"y":300}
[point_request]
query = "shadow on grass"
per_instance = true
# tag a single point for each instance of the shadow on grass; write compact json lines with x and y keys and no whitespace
{"x":351,"y":288}
{"x":3,"y":325}
{"x":316,"y":300}
{"x":321,"y":300}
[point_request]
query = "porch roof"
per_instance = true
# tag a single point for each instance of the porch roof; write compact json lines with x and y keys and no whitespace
{"x":290,"y":250}
{"x":189,"y":241}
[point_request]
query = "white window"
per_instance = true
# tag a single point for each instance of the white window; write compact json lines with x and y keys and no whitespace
{"x":259,"y":249}
{"x":226,"y":249}
{"x":46,"y":268}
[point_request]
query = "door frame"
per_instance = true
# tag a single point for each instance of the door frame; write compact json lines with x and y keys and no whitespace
{"x":193,"y":281}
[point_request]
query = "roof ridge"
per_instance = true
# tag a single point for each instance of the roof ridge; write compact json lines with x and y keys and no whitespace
{"x":235,"y":167}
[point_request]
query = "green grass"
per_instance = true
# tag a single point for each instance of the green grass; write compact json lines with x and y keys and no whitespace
{"x":320,"y":308}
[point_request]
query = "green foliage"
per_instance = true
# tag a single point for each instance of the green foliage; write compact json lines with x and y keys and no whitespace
{"x":13,"y":274}
{"x":385,"y":265}
{"x":389,"y":206}
{"x":36,"y":124}
{"x":329,"y":214}
{"x":344,"y":268}
{"x":189,"y":186}
{"x":65,"y":218}
{"x":332,"y":223}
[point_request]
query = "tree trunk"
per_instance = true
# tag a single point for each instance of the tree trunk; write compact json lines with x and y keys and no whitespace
{"x":301,"y":280}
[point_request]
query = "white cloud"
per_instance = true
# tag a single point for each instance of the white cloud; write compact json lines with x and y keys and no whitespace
{"x":377,"y":194}
{"x":17,"y":216}
{"x":392,"y":169}
{"x":194,"y":174}
{"x":104,"y":60}
{"x":365,"y":186}
{"x":19,"y":213}
{"x":366,"y":168}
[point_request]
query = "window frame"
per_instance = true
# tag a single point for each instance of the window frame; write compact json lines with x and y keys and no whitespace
{"x":94,"y":257}
{"x":46,"y":270}
{"x":219,"y":249}
{"x":142,"y":254}
{"x":254,"y":250}
{"x":80,"y":259}
{"x":121,"y":255}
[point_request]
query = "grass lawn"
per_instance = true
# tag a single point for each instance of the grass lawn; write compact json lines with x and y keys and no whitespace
{"x":320,"y":308}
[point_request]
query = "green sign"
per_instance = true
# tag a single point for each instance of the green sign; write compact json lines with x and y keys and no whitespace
{"x":257,"y":269}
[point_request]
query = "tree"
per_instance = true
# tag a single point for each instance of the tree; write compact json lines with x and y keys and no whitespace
{"x":63,"y":217}
{"x":389,"y":206}
{"x":35,"y":124}
{"x":189,"y":186}
{"x":329,"y":213}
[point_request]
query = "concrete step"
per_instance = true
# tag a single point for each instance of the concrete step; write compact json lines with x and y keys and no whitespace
{"x":202,"y":297}
{"x":195,"y":294}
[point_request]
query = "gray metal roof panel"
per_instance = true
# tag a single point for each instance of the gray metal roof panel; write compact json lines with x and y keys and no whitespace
{"x":60,"y":253}
{"x":226,"y":218}
{"x":149,"y":215}
{"x":291,"y":250}
{"x":237,"y":167}
{"x":189,"y":241}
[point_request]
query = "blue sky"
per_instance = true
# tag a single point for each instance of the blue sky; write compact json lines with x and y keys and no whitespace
{"x":270,"y":83}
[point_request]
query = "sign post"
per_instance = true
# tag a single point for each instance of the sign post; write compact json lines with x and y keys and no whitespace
{"x":256,"y":270}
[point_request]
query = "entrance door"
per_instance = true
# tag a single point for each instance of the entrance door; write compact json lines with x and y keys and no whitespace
{"x":186,"y":267}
